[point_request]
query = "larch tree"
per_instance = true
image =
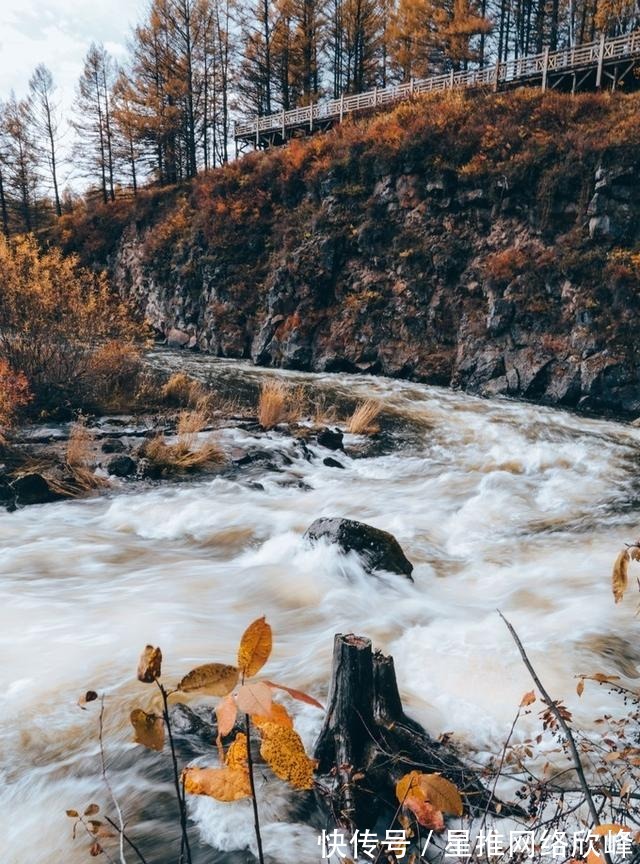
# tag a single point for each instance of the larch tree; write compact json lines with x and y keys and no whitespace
{"x":46,"y":125}
{"x":19,"y":158}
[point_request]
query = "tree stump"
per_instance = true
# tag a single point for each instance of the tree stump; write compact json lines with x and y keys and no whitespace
{"x":367,"y":742}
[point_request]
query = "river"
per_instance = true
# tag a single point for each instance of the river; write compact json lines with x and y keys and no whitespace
{"x":498,"y":504}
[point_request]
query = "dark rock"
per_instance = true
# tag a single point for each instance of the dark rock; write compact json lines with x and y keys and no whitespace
{"x":113,"y":445}
{"x":148,"y":470}
{"x":33,"y":489}
{"x":332,"y":463}
{"x":379,"y":549}
{"x":7,"y":494}
{"x":331,"y":439}
{"x":121,"y":466}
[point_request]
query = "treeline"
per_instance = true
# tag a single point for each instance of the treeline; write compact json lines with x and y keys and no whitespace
{"x":195,"y":65}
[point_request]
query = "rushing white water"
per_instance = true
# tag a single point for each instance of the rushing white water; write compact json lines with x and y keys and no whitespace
{"x":498,"y":505}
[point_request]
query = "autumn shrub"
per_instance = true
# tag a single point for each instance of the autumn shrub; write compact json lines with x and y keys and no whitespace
{"x":61,"y":327}
{"x":14,"y":395}
{"x":188,"y":452}
{"x":182,"y":390}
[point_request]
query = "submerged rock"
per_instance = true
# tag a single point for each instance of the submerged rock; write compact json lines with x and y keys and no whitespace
{"x":332,"y":463}
{"x":379,"y":549}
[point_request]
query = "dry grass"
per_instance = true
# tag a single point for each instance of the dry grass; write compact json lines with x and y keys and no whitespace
{"x":187,"y":453}
{"x":183,"y":390}
{"x":324,"y":413}
{"x":272,"y":404}
{"x":363,"y":419}
{"x":78,"y":458}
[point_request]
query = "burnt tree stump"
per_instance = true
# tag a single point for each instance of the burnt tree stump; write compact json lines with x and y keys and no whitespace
{"x":367,"y":742}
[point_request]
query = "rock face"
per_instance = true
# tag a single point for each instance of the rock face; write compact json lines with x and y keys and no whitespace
{"x":378,"y":549}
{"x":418,"y":264}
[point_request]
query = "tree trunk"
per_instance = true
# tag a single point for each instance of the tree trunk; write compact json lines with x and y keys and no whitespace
{"x":368,"y":743}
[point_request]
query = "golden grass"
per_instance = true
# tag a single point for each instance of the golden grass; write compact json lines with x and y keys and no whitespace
{"x":272,"y":404}
{"x":362,"y":421}
{"x":183,"y":390}
{"x":187,"y":453}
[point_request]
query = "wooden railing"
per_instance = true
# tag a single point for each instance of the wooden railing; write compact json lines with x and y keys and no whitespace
{"x":592,"y":55}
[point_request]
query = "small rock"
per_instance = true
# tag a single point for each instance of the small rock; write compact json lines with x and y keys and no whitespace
{"x":331,"y":439}
{"x":178,"y":338}
{"x":113,"y":445}
{"x":378,"y":549}
{"x":121,"y":466}
{"x":33,"y":489}
{"x":332,"y":463}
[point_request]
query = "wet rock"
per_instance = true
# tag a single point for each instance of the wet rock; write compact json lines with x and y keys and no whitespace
{"x":332,"y":463}
{"x":121,"y":466}
{"x":331,"y":439}
{"x":178,"y":338}
{"x":33,"y":489}
{"x":7,"y":494}
{"x":379,"y":549}
{"x":113,"y":445}
{"x":148,"y":470}
{"x":270,"y":460}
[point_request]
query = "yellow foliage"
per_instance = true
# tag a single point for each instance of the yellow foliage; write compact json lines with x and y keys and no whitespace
{"x":214,"y":679}
{"x":148,"y":729}
{"x":271,"y":406}
{"x":223,"y":784}
{"x":433,"y":789}
{"x":237,"y":756}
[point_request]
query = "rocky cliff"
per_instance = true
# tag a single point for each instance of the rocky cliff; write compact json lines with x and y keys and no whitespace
{"x":488,"y":245}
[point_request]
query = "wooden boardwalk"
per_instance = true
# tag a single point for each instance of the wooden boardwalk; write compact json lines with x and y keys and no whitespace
{"x":590,"y":66}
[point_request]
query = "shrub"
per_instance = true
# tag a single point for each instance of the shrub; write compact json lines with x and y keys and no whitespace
{"x":14,"y":394}
{"x":182,"y":390}
{"x":52,"y":316}
{"x":186,"y":453}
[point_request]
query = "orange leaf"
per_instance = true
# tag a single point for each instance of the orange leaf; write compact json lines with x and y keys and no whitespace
{"x":214,"y":679}
{"x":296,"y":694}
{"x":425,"y":813}
{"x":223,"y":784}
{"x":284,"y":752}
{"x":148,"y":729}
{"x":610,"y":828}
{"x":620,"y":575}
{"x":278,"y":715}
{"x":254,"y":699}
{"x":528,"y":699}
{"x":149,"y":665}
{"x":237,"y":757}
{"x":580,"y":687}
{"x":226,"y":713}
{"x":255,"y":647}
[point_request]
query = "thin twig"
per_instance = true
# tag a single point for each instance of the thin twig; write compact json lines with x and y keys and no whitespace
{"x":256,"y":818}
{"x":497,"y":777}
{"x":128,"y":840}
{"x":103,"y":763}
{"x":184,"y":842}
{"x":562,"y":723}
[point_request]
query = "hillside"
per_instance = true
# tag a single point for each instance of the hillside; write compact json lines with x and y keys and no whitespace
{"x":487,"y":243}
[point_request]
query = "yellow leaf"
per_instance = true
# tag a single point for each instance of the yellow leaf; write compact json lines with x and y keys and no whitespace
{"x":223,"y":784}
{"x":237,"y":756}
{"x":528,"y":699}
{"x":284,"y":752}
{"x":255,"y":647}
{"x":226,"y":713}
{"x":278,"y":715}
{"x":214,"y":679}
{"x":604,"y":679}
{"x":148,"y":729}
{"x":150,"y":665}
{"x":620,"y":575}
{"x":254,"y":699}
{"x":580,"y":687}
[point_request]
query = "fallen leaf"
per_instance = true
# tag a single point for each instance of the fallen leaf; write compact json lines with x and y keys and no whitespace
{"x":212,"y":679}
{"x":283,"y":750}
{"x":150,"y":665}
{"x":148,"y":729}
{"x":255,"y":647}
{"x":297,"y":694}
{"x":254,"y":698}
{"x":223,"y":784}
{"x":434,"y":788}
{"x":425,"y":813}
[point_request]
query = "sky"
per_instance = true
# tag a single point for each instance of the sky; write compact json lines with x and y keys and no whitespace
{"x":58,"y":33}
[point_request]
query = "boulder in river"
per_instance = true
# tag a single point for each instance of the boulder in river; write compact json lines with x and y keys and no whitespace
{"x":331,"y":439}
{"x":113,"y":445}
{"x":121,"y":466}
{"x":33,"y":489}
{"x":379,"y":549}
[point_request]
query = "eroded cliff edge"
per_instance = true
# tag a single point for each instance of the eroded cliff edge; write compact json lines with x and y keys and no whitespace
{"x":488,"y":243}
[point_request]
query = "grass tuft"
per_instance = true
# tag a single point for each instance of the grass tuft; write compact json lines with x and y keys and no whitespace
{"x":363,"y":419}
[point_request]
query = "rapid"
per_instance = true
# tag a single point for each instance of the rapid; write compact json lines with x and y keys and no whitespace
{"x":498,"y":504}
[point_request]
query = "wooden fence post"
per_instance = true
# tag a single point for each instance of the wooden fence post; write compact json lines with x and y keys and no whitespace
{"x":600,"y":63}
{"x":496,"y":77}
{"x":341,"y":106}
{"x":545,"y":68}
{"x":257,"y":131}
